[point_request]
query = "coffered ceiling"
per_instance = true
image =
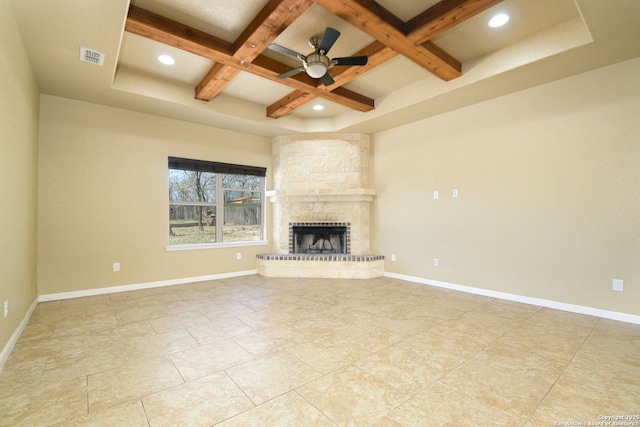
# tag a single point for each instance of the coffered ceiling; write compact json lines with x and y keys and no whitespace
{"x":425,"y":56}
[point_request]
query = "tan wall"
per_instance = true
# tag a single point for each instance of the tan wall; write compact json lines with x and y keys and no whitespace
{"x":103,"y":195}
{"x":18,"y":175}
{"x":549,"y":184}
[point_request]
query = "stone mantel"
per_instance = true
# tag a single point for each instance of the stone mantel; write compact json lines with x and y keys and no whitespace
{"x":357,"y":195}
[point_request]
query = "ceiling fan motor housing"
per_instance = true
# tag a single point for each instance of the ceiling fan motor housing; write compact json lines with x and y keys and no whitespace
{"x":316,"y":65}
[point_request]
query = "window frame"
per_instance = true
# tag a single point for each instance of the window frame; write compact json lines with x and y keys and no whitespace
{"x":219,"y":169}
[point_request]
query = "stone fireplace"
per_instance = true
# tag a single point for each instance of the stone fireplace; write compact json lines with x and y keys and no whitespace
{"x":321,"y":204}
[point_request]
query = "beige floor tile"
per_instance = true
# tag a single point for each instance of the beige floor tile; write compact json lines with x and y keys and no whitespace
{"x":75,"y":325}
{"x":400,"y":368}
{"x":386,"y":422}
{"x":20,"y":377}
{"x":375,"y":336}
{"x":178,"y":321}
{"x":381,"y":352}
{"x":287,"y":410}
{"x":513,"y":390}
{"x":513,"y":311}
{"x":272,"y":340}
{"x":118,"y":334}
{"x":402,"y":328}
{"x":352,"y":397}
{"x":131,"y":381}
{"x":150,"y":346}
{"x":135,"y":313}
{"x":129,"y":414}
{"x":202,"y":402}
{"x":553,"y":342}
{"x":27,"y":350}
{"x":442,"y":349}
{"x":34,"y":331}
{"x":616,"y":365}
{"x":190,"y":302}
{"x":217,"y":311}
{"x":431,"y":313}
{"x":87,"y":301}
{"x":219,"y":330}
{"x":545,"y":417}
{"x":271,"y":376}
{"x":328,"y":353}
{"x":477,"y":325}
{"x":156,"y":299}
{"x":68,"y":365}
{"x":557,"y":319}
{"x":440,"y":406}
{"x":513,"y":360}
{"x":317,"y":326}
{"x":597,"y":396}
{"x":51,"y":312}
{"x":266,"y":318}
{"x":46,"y":405}
{"x":209,"y":358}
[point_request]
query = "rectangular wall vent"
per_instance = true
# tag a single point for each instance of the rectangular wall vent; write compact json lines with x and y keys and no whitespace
{"x":92,"y":56}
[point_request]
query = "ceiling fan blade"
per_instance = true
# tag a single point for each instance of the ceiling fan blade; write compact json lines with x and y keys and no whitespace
{"x":286,"y":51}
{"x":291,"y":73}
{"x":327,"y":80}
{"x":328,"y":39}
{"x":351,"y":60}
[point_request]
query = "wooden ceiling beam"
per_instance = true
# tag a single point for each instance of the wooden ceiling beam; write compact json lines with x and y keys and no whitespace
{"x":218,"y":77}
{"x":155,"y":27}
{"x":360,"y":13}
{"x":433,"y":21}
{"x":443,"y":16}
{"x":164,"y":30}
{"x":287,"y":104}
{"x":274,"y":17}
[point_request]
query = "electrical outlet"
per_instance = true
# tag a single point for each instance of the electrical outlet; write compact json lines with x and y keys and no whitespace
{"x":116,"y":266}
{"x":455,"y":192}
{"x":6,"y":308}
{"x":618,"y":285}
{"x":238,"y":255}
{"x":393,"y":257}
{"x":436,"y":262}
{"x":436,"y":195}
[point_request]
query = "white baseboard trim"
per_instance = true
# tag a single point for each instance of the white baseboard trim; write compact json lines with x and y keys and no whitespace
{"x":613,"y":315}
{"x":6,"y":351}
{"x":138,"y":286}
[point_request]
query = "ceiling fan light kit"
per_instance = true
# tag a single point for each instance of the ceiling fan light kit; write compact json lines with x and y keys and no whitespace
{"x":316,"y":65}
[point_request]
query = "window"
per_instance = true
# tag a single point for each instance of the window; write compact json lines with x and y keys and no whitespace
{"x":214,"y":202}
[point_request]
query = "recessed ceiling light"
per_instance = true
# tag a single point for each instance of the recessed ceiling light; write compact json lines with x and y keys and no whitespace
{"x":499,"y":20}
{"x":318,"y":107}
{"x":166,"y":59}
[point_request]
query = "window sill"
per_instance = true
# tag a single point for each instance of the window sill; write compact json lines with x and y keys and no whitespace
{"x":193,"y":247}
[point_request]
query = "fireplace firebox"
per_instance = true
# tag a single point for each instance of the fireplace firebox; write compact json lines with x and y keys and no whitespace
{"x":319,"y":238}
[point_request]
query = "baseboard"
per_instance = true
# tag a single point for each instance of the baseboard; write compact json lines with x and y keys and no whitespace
{"x":138,"y":286}
{"x":613,"y":315}
{"x":6,"y":351}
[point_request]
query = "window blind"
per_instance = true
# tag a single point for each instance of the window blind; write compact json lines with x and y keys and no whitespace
{"x":216,"y":167}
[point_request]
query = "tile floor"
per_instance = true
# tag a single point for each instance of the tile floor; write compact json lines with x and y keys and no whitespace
{"x":255,"y":351}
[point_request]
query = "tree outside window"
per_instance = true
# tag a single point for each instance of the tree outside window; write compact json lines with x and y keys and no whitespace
{"x":206,"y":206}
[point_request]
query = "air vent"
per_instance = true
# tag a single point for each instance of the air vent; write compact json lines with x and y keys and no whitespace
{"x":92,"y":56}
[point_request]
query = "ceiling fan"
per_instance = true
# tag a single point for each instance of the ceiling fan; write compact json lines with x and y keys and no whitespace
{"x":317,"y":63}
